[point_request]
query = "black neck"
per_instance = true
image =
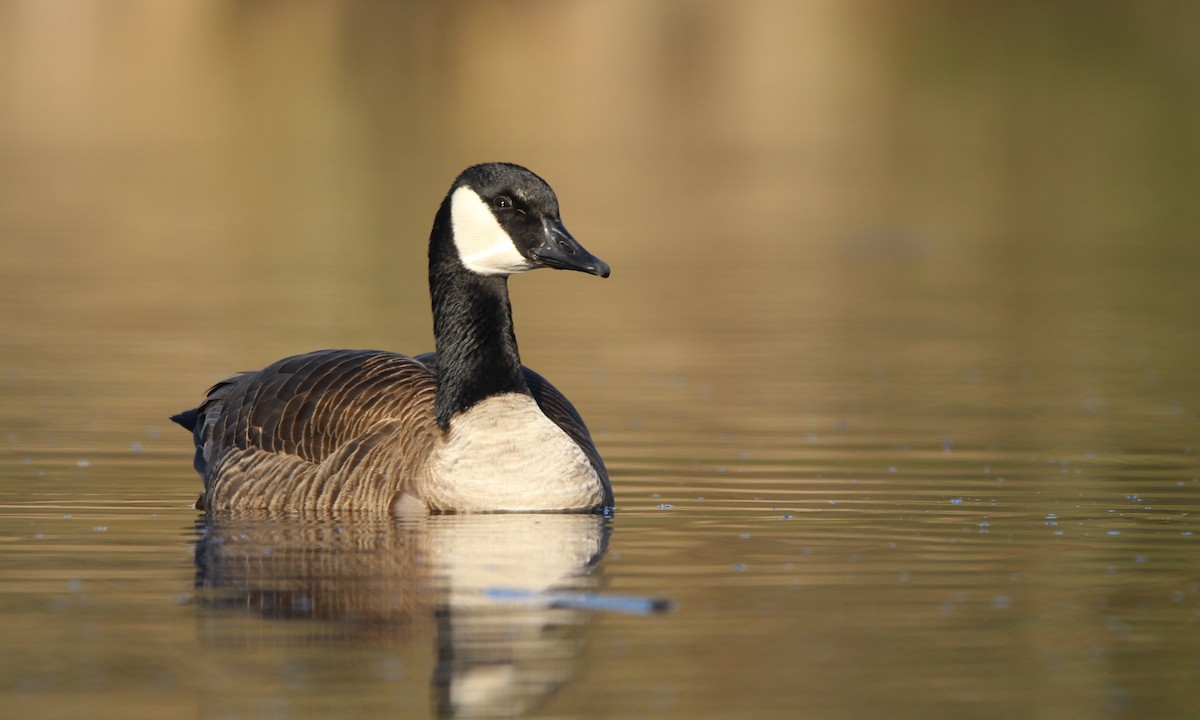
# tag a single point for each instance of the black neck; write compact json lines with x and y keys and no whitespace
{"x":472,"y":326}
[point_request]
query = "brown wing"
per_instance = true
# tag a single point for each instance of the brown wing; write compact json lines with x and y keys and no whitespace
{"x":315,"y":430}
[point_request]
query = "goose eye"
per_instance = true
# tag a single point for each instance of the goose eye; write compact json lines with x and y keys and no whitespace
{"x":502,"y":202}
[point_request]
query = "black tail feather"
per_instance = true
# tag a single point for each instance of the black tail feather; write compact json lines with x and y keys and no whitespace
{"x":187,"y":418}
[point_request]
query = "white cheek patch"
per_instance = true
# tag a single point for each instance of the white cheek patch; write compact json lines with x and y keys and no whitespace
{"x":483,"y":246}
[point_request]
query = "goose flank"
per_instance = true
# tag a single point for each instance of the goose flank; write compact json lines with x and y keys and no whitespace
{"x":466,"y":428}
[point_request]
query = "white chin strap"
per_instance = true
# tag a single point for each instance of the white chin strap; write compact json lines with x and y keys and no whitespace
{"x":483,"y":246}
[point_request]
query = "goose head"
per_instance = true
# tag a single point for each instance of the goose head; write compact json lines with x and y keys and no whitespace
{"x":505,"y":220}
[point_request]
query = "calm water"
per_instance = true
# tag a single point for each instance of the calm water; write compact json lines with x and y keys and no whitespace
{"x":896,"y":375}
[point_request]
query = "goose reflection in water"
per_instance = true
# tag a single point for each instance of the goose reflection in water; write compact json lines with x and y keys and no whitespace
{"x":509,"y":593}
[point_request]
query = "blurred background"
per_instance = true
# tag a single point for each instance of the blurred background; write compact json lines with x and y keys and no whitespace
{"x":936,"y":191}
{"x":916,"y":245}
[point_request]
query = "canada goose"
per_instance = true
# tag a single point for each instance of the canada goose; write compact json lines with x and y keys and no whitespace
{"x":464,"y":429}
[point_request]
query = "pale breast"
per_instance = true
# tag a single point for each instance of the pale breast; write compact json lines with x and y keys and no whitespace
{"x":504,"y":454}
